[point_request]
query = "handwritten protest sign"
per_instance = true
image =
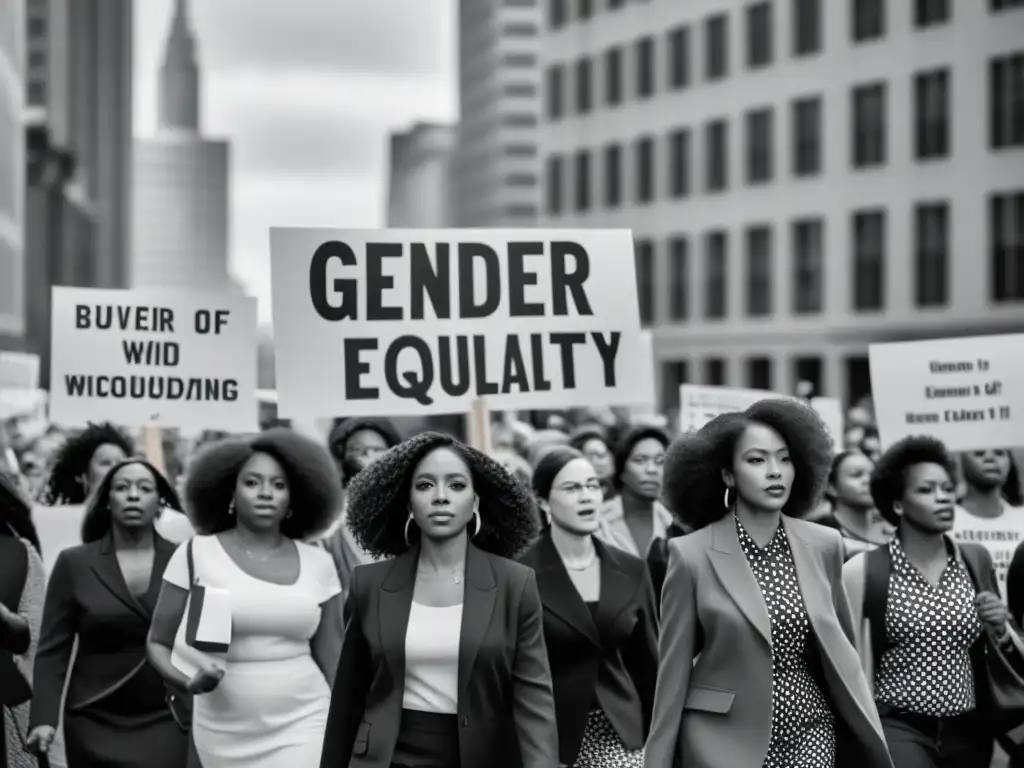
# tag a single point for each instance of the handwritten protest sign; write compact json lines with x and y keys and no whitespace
{"x":410,"y":322}
{"x":967,"y":392}
{"x":170,"y":358}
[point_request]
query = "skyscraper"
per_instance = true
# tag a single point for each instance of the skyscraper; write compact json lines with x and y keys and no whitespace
{"x":180,"y":235}
{"x":12,"y":174}
{"x":419,"y":174}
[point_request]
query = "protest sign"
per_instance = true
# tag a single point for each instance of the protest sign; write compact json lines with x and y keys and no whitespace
{"x":416,"y":322}
{"x":170,"y":358}
{"x":19,"y":370}
{"x":967,"y":392}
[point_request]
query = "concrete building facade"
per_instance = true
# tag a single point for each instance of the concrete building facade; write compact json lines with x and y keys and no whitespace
{"x":418,"y":177}
{"x":12,"y":175}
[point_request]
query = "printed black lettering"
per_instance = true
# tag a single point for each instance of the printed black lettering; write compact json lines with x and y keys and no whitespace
{"x":138,"y":387}
{"x":118,"y":387}
{"x":414,"y":388}
{"x":515,"y":368}
{"x":103,"y":386}
{"x":608,"y":350}
{"x":377,"y":281}
{"x":563,"y":283}
{"x":483,"y":386}
{"x":220,"y":320}
{"x":194,"y":389}
{"x":156,"y":392}
{"x":428,"y":280}
{"x":142,"y":319}
{"x":104,"y":319}
{"x":229,"y":391}
{"x":356,"y":368}
{"x":74,"y":384}
{"x":202,"y":321}
{"x":132,"y":351}
{"x":566,"y":342}
{"x":166,"y":320}
{"x":468,"y":253}
{"x":519,"y":278}
{"x":175,"y":388}
{"x":212,"y":390}
{"x":346,"y":288}
{"x":447,"y":368}
{"x":540,"y":384}
{"x":82,"y":316}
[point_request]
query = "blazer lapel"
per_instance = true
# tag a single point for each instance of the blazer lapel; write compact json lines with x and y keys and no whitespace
{"x":396,"y":593}
{"x":559,"y":595}
{"x":616,"y":588}
{"x":161,"y":556}
{"x":108,"y":573}
{"x":730,"y":564}
{"x":477,"y":606}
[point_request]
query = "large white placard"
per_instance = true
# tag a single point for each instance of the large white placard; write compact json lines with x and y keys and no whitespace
{"x":166,"y":357}
{"x":408,"y":322}
{"x":967,"y":392}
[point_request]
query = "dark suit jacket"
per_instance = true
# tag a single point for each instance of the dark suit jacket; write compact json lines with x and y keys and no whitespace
{"x":612,"y":663}
{"x":87,"y":597}
{"x":713,"y":705}
{"x":506,"y":711}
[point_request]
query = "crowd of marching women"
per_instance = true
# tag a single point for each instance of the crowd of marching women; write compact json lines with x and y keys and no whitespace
{"x":748,"y":595}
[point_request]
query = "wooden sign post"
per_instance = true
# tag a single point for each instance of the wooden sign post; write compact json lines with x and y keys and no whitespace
{"x":478,"y":426}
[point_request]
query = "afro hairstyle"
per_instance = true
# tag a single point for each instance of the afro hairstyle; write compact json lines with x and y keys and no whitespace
{"x":72,"y":461}
{"x":97,"y":521}
{"x":694,"y":489}
{"x":378,"y":499}
{"x":313,"y":482}
{"x":889,"y":478}
{"x":624,"y":447}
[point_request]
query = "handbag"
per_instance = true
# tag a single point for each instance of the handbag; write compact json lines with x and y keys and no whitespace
{"x":181,"y":705}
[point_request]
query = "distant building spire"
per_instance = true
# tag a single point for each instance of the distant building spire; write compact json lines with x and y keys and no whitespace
{"x":179,"y":75}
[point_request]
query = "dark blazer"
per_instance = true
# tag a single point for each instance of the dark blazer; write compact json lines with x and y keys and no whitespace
{"x":506,"y":710}
{"x":87,"y":596}
{"x":613,"y":661}
{"x":713,"y":705}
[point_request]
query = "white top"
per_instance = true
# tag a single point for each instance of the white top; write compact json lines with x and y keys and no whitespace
{"x":432,"y":659}
{"x":174,"y":526}
{"x":999,"y":535}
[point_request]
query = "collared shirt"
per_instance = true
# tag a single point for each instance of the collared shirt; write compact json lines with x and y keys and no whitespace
{"x":614,"y":529}
{"x":930,"y":629}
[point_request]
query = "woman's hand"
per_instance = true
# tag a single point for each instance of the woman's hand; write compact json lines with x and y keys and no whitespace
{"x":40,"y":739}
{"x":993,"y":613}
{"x":205,"y":680}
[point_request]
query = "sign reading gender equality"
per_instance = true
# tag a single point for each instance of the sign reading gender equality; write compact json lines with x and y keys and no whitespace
{"x":405,"y":322}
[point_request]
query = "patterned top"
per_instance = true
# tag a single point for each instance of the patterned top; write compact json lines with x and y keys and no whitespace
{"x":803,"y":725}
{"x":930,"y":630}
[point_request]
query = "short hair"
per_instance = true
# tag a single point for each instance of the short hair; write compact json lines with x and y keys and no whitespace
{"x":16,"y":513}
{"x":378,"y":499}
{"x":343,"y":429}
{"x":583,"y":435}
{"x":547,"y":469}
{"x":97,"y":521}
{"x":313,"y":482}
{"x":837,"y":462}
{"x":694,"y":489}
{"x":628,"y":442}
{"x":889,"y":478}
{"x":73,"y":458}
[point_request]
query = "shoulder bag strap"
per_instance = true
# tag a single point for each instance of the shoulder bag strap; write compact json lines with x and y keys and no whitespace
{"x":877,"y":569}
{"x":191,"y":564}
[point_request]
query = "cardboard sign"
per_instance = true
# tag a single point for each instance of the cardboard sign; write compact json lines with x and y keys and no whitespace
{"x":414,"y":322}
{"x":166,"y":357}
{"x":967,"y":392}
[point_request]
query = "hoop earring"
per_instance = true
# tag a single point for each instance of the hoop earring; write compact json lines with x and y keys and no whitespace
{"x":479,"y":523}
{"x":231,"y":507}
{"x":406,"y":531}
{"x":726,"y":500}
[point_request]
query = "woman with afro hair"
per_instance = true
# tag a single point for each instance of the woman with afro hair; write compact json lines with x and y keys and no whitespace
{"x":924,"y":605}
{"x":253,"y":501}
{"x":443,"y":662}
{"x":83,"y":461}
{"x":756,"y":661}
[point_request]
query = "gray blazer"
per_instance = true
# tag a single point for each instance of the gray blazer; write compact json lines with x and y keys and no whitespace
{"x":713,"y":703}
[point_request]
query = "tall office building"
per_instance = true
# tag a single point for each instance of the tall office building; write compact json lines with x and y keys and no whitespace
{"x":180,"y":235}
{"x":418,"y":179}
{"x":803,"y":178}
{"x":495,"y":167}
{"x":12,"y":175}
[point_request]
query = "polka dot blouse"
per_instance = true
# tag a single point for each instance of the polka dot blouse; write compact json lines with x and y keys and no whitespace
{"x":930,"y":630}
{"x":803,"y":725}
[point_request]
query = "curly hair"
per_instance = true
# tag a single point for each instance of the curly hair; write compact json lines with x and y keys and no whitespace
{"x":378,"y":499}
{"x":889,"y":478}
{"x":72,"y":461}
{"x":16,"y":513}
{"x":694,"y":488}
{"x":97,"y":521}
{"x":624,"y":447}
{"x":343,"y":429}
{"x":313,"y":482}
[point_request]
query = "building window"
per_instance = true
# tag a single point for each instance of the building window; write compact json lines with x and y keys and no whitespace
{"x":645,"y":67}
{"x":759,"y":34}
{"x":759,"y":271}
{"x":583,"y":87}
{"x":557,"y":13}
{"x":869,"y":125}
{"x":931,"y":253}
{"x":808,"y":266}
{"x":1006,"y":101}
{"x":37,"y":26}
{"x":37,"y":93}
{"x":645,"y":280}
{"x":679,"y":163}
{"x":809,"y":369}
{"x":858,"y":378}
{"x":679,"y":58}
{"x":928,"y":13}
{"x":759,"y":373}
{"x":716,"y":141}
{"x":585,"y":9}
{"x":1006,"y":227}
{"x":806,"y":27}
{"x":679,"y":278}
{"x":714,"y":372}
{"x":554,"y":185}
{"x":673,"y":376}
{"x":931,"y":121}
{"x":613,"y":76}
{"x":759,"y":146}
{"x":644,"y":170}
{"x":716,"y":37}
{"x":807,"y":136}
{"x":868,"y":261}
{"x":715,"y":275}
{"x":868,"y":19}
{"x":555,"y":92}
{"x":612,"y":176}
{"x":582,"y":181}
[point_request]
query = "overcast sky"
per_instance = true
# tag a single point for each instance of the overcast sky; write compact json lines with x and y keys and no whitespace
{"x":307,"y":91}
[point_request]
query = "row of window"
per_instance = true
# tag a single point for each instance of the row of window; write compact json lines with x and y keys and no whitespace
{"x":931,"y":140}
{"x":931,"y":263}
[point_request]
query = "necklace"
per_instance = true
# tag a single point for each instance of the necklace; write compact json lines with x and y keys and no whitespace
{"x":581,"y":566}
{"x":456,"y":576}
{"x":249,"y":552}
